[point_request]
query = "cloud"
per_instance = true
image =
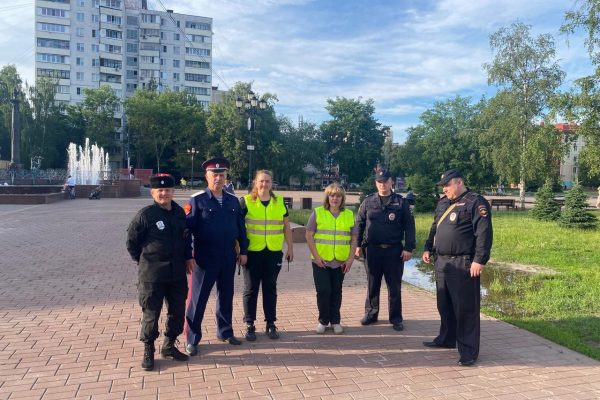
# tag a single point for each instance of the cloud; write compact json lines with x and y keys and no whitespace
{"x":404,"y":55}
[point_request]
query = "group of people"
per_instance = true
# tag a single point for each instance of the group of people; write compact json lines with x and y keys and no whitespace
{"x":215,"y":231}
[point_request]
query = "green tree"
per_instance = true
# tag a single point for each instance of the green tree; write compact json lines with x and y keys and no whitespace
{"x":98,"y":110}
{"x":574,"y":214}
{"x":228,"y":135}
{"x":582,"y":103}
{"x":513,"y":157}
{"x":546,"y":208}
{"x":353,"y":138}
{"x":300,"y":147}
{"x":525,"y":69}
{"x":163,"y":124}
{"x":447,"y":137}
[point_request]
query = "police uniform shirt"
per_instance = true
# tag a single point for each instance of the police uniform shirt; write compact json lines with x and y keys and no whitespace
{"x":382,"y":220}
{"x":156,"y":239}
{"x":466,"y":230}
{"x":215,"y":226}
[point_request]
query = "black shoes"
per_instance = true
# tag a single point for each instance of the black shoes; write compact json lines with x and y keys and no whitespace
{"x":250,"y":332}
{"x":191,"y":349}
{"x":466,"y":362}
{"x":170,"y":350}
{"x":368,"y":320}
{"x":148,"y":361}
{"x":437,"y":345}
{"x":232,"y":340}
{"x":272,"y":332}
{"x":398,"y":326}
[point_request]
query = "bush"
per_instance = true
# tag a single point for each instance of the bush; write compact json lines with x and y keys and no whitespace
{"x":574,"y":214}
{"x":426,"y":197}
{"x":546,"y":208}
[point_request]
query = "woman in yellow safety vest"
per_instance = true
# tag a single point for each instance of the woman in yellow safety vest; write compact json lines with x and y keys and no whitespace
{"x":331,"y":235}
{"x":267,"y":226}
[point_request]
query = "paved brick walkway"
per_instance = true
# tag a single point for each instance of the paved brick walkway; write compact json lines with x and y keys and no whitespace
{"x":69,"y":323}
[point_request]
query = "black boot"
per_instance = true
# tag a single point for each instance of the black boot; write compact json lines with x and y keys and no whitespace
{"x":271,"y":330}
{"x":148,"y":361}
{"x":250,"y":332}
{"x":170,"y":350}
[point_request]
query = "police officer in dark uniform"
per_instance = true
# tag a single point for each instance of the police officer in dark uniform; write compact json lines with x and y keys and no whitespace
{"x":459,"y":243}
{"x":156,"y":240}
{"x":384,"y":221}
{"x":216,"y":222}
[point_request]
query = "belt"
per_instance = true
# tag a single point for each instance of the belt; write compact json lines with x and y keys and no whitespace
{"x":466,"y":256}
{"x":386,"y":246}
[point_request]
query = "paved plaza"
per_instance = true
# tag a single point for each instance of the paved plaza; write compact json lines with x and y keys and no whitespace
{"x":69,"y":323}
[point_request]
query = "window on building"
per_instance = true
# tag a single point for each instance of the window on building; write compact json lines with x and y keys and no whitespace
{"x":95,"y":18}
{"x":52,"y":12}
{"x":80,"y":47}
{"x":179,"y":24}
{"x":176,"y":89}
{"x":80,"y":32}
{"x":45,"y":27}
{"x":176,"y":76}
{"x":176,"y":36}
{"x":132,"y":34}
{"x":95,"y":62}
{"x":62,"y":89}
{"x":163,"y":75}
{"x":197,"y":78}
{"x":162,"y":35}
{"x":197,"y":25}
{"x":131,"y":61}
{"x":79,"y":76}
{"x":81,"y":3}
{"x":175,"y":49}
{"x":164,"y":49}
{"x":114,"y":34}
{"x":197,"y":64}
{"x":132,"y":20}
{"x":176,"y":63}
{"x":53,"y":73}
{"x":80,"y":17}
{"x":162,"y":61}
{"x":79,"y":90}
{"x":52,"y":58}
{"x":53,"y":43}
{"x":132,"y":47}
{"x":197,"y":52}
{"x":95,"y":48}
{"x":197,"y":90}
{"x":79,"y":61}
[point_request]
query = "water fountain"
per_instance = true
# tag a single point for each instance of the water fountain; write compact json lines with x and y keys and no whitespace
{"x":89,"y":164}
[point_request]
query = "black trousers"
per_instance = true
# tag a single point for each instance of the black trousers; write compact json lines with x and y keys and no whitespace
{"x":151,"y":296}
{"x":386,"y":263}
{"x":458,"y":300}
{"x":262,"y":268}
{"x":328,"y":282}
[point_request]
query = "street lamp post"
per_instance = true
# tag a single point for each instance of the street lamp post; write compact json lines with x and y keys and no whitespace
{"x":250,"y":107}
{"x":192,"y":152}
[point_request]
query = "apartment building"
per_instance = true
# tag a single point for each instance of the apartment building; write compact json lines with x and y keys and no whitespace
{"x":569,"y":166}
{"x":123,"y":44}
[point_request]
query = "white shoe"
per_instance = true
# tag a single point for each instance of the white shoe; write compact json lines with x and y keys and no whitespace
{"x":337,"y":329}
{"x":320,"y":328}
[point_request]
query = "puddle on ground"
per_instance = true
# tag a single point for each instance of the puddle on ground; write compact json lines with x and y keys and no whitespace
{"x":493,"y":279}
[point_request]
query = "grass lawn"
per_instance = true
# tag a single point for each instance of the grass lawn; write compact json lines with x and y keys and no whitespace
{"x":563,"y":307}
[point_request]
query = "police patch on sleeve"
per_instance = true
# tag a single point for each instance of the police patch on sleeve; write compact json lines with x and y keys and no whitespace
{"x":160,"y":225}
{"x":483,"y":211}
{"x":187,"y":208}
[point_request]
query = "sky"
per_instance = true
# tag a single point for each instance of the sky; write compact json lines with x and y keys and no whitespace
{"x":403,"y":54}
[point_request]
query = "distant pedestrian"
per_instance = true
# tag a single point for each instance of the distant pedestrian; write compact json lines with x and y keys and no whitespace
{"x":459,"y":244}
{"x":156,"y":240}
{"x":229,"y":188}
{"x":131,"y":172}
{"x":331,"y":235}
{"x":386,"y":235}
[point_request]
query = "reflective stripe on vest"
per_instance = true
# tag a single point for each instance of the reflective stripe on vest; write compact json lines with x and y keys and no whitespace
{"x":333,"y":235}
{"x":264,"y":225}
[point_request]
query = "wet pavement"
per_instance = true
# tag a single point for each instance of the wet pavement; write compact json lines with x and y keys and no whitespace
{"x":70,"y":321}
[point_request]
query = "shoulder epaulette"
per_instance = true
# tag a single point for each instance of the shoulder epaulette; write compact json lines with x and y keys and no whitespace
{"x":198,"y":193}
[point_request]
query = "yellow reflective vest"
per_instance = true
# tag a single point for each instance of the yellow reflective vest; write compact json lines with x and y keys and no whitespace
{"x":264,"y":225}
{"x":332,"y":237}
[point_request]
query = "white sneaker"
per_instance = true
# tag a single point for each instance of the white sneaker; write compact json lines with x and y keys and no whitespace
{"x":337,"y":329}
{"x":320,"y":328}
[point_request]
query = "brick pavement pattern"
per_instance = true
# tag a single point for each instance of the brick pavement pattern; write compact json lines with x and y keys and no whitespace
{"x":69,"y":325}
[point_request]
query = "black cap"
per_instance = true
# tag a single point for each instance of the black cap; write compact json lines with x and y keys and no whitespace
{"x":382,"y":175}
{"x":162,"y":181}
{"x":449,"y":175}
{"x":217,"y":164}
